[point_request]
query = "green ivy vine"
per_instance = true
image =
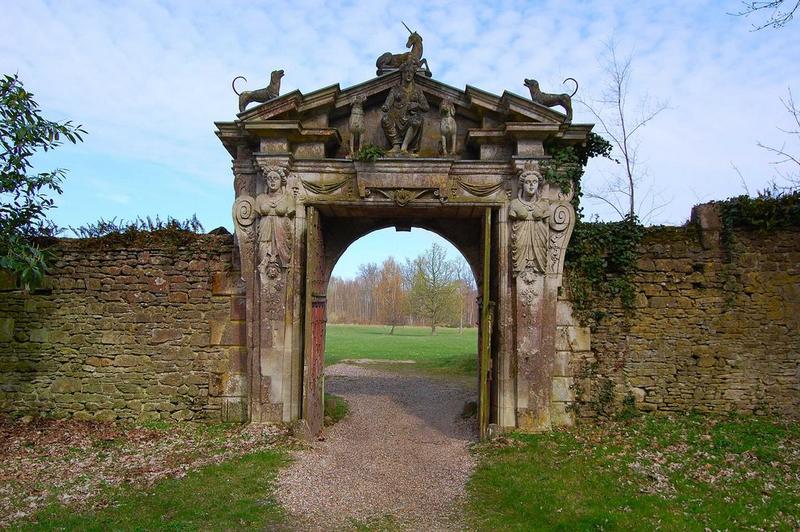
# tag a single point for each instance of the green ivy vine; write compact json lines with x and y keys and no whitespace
{"x":369,"y":153}
{"x":602,"y":256}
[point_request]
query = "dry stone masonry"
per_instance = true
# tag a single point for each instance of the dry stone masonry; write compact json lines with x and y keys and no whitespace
{"x":126,"y":332}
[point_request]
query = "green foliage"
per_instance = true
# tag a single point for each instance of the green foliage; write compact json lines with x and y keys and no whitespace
{"x":104,"y":227}
{"x":567,"y":164}
{"x":601,"y":260}
{"x":601,"y":257}
{"x":770,"y":209}
{"x":139,"y":231}
{"x":369,"y":152}
{"x":685,"y":472}
{"x":24,"y":198}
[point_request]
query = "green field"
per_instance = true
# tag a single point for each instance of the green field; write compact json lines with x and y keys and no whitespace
{"x":447,"y":351}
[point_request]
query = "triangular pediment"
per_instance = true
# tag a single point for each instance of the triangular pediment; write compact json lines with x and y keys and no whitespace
{"x":321,"y":118}
{"x":294,"y":104}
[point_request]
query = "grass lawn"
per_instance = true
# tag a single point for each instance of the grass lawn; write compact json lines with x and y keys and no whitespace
{"x":447,"y":351}
{"x":234,"y":495}
{"x":687,"y":472}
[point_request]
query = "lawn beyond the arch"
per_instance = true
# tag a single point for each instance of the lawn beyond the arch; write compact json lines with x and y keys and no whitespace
{"x":447,"y":352}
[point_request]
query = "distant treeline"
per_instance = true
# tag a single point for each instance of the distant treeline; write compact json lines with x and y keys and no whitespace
{"x":430,"y":290}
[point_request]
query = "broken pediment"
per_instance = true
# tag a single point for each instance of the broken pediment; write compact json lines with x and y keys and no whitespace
{"x":320,"y":124}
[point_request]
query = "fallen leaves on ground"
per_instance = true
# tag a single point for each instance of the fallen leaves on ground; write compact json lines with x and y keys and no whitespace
{"x":73,"y":462}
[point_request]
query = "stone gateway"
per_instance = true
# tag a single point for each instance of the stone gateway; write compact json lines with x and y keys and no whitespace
{"x":463,"y":164}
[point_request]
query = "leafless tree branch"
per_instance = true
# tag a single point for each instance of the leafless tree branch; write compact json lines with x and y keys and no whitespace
{"x":782,"y":12}
{"x":612,"y":113}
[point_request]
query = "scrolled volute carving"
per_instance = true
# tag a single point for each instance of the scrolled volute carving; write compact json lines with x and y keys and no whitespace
{"x":244,"y":211}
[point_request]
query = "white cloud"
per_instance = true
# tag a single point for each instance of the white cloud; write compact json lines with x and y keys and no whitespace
{"x":148,"y":79}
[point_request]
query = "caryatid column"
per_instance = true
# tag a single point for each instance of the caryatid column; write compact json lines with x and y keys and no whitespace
{"x":542,"y":220}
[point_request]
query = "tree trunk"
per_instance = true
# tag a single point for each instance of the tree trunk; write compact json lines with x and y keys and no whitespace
{"x":392,"y":331}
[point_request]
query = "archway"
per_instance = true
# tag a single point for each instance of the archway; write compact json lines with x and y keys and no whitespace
{"x":303,"y":195}
{"x":333,"y":228}
{"x":384,"y":295}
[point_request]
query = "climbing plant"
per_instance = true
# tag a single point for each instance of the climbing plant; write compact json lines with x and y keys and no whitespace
{"x":602,"y":256}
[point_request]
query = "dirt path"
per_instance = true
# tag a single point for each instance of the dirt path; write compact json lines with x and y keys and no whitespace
{"x":400,"y":458}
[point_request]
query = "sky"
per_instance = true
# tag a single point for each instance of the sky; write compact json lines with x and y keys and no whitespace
{"x":147,"y":79}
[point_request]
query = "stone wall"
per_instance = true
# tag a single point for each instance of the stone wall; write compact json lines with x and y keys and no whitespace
{"x":126,"y":331}
{"x":716,"y":327}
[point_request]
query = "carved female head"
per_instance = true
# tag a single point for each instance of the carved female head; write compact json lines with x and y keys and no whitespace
{"x":274,"y":177}
{"x":529,"y":181}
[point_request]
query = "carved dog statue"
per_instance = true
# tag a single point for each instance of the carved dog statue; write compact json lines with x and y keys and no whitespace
{"x":266,"y":94}
{"x":356,"y":123}
{"x":550,"y":100}
{"x":448,"y":127}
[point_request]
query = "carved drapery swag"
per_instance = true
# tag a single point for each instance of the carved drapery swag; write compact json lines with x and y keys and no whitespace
{"x":273,"y":234}
{"x":540,"y":227}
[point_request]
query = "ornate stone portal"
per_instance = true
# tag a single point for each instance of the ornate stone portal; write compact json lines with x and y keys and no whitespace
{"x":300,"y":201}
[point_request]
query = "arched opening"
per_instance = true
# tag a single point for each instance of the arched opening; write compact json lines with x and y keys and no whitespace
{"x":402,"y":331}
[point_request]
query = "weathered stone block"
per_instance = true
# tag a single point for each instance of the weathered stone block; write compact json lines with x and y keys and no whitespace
{"x":579,"y":338}
{"x":237,"y":359}
{"x":39,"y":335}
{"x":234,"y":385}
{"x":6,"y":329}
{"x":562,"y":390}
{"x":128,"y":361}
{"x":227,"y":284}
{"x":66,"y":385}
{"x":561,"y":364}
{"x":561,"y":415}
{"x":234,"y":410}
{"x":160,"y":336}
{"x":228,"y":332}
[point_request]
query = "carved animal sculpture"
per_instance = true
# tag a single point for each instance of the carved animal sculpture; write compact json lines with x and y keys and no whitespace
{"x":356,"y":123}
{"x":550,"y":100}
{"x":266,"y":94}
{"x":390,"y":60}
{"x":448,"y":127}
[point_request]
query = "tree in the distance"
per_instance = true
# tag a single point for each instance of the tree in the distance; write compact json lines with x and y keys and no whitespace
{"x":391,"y":297}
{"x":24,"y":198}
{"x":434,"y":287}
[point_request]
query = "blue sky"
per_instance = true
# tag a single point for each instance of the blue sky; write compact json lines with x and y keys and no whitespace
{"x":148,"y":79}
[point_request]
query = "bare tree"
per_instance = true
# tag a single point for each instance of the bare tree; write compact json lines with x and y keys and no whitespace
{"x":781,"y":12}
{"x":391,"y":297}
{"x":787,"y":164}
{"x":621,"y":125}
{"x":434,"y":290}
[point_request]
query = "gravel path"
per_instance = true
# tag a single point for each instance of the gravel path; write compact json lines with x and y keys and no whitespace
{"x":400,"y":458}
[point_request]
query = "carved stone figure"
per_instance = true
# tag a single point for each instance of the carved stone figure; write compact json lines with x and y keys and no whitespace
{"x":356,"y":123}
{"x":550,"y":100}
{"x":447,"y":127}
{"x":389,"y":61}
{"x":276,"y":208}
{"x":530,"y":225}
{"x":404,"y":110}
{"x":260,"y":95}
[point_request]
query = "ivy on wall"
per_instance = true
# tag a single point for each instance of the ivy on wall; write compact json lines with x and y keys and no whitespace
{"x":602,"y":256}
